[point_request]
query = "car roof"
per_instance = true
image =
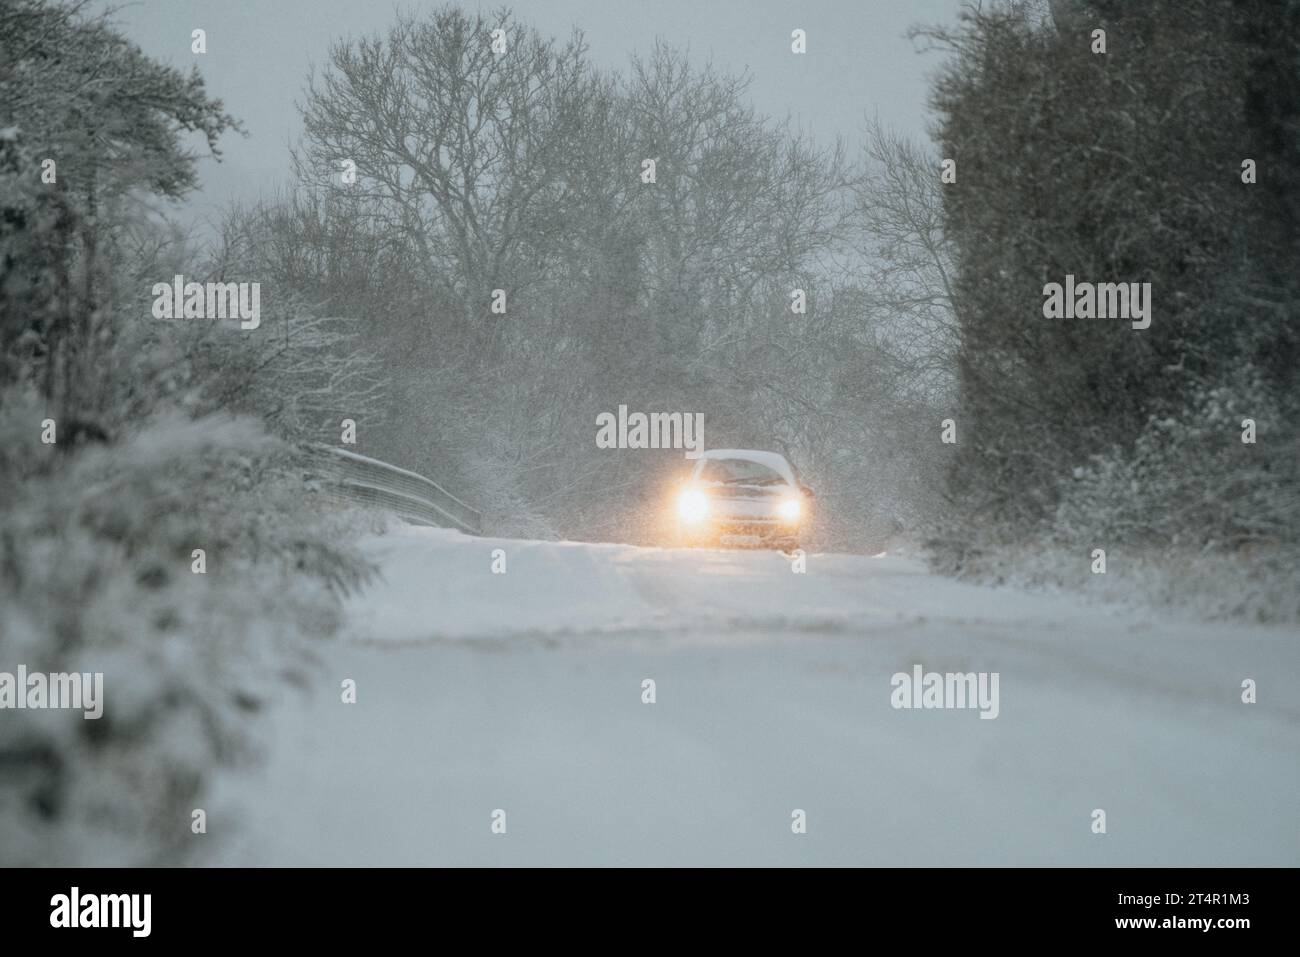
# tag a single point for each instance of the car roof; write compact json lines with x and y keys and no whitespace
{"x":773,"y":460}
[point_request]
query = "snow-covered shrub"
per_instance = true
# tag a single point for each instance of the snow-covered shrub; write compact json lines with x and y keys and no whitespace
{"x":1189,"y":481}
{"x":97,"y":575}
{"x":1078,"y":433}
{"x":1190,"y":515}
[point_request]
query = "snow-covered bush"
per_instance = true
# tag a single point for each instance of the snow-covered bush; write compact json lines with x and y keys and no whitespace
{"x":1190,"y":481}
{"x":1190,"y":515}
{"x":1081,"y":433}
{"x":97,"y":559}
{"x":170,"y":439}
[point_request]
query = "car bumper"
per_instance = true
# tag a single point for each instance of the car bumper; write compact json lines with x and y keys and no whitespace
{"x":762,"y":529}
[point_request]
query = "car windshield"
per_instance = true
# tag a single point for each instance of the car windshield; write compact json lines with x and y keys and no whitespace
{"x":738,"y":472}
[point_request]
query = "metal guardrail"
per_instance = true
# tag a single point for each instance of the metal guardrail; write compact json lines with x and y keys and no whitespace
{"x":406,"y":494}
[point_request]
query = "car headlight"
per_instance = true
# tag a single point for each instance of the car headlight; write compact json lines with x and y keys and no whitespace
{"x":789,"y":510}
{"x":692,"y":505}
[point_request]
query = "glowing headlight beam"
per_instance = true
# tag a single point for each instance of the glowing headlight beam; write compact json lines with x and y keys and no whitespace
{"x":692,"y":505}
{"x":790,"y":510}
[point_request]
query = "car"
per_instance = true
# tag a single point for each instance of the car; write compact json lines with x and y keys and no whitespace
{"x":742,"y":495}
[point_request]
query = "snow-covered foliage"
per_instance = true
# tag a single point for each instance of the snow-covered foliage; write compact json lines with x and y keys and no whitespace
{"x":1176,"y":440}
{"x":155,"y":525}
{"x":97,"y":574}
{"x":1190,"y":482}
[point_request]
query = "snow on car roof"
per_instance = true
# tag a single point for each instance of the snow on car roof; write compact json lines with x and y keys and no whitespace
{"x":773,"y":460}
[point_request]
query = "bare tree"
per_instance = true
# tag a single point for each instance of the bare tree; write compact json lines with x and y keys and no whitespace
{"x":742,"y":207}
{"x":899,"y":233}
{"x":463,"y":148}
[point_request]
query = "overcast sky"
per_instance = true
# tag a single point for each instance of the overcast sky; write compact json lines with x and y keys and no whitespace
{"x":259,"y":51}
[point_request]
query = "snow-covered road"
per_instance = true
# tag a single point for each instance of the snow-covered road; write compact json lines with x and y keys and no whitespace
{"x":522,"y":692}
